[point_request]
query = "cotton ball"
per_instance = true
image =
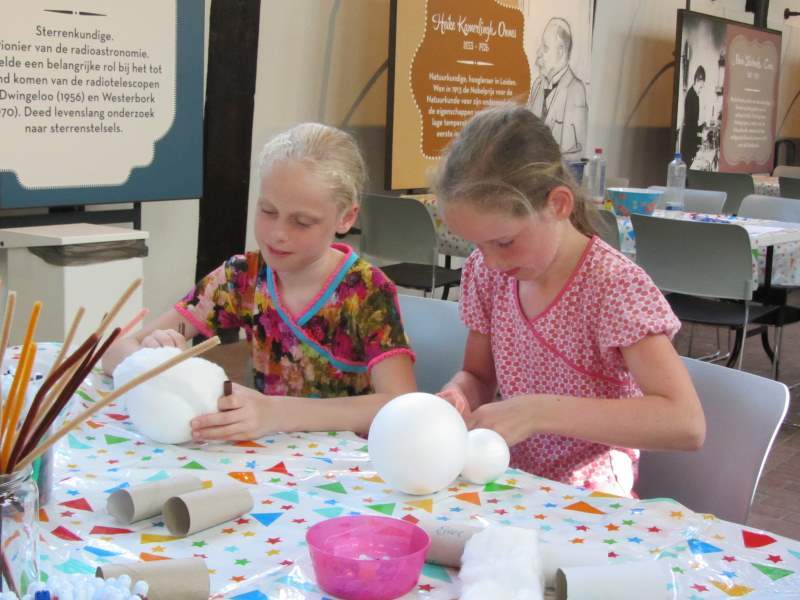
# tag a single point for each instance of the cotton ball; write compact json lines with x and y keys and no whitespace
{"x":162,"y":407}
{"x":502,"y":562}
{"x":487,"y":456}
{"x":418,"y":443}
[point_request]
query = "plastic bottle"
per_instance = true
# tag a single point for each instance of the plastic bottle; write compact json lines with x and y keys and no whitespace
{"x":596,"y":177}
{"x":676,"y":183}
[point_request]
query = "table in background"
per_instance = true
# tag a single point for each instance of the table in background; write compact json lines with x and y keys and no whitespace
{"x":300,"y":479}
{"x":766,"y":185}
{"x":783,"y":237}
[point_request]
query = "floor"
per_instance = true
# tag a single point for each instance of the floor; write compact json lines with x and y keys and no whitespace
{"x":777,"y":503}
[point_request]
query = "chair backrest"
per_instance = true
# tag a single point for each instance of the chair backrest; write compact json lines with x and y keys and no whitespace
{"x":743,"y":413}
{"x":397,"y":229}
{"x":786,"y":171}
{"x":773,"y":208}
{"x":438,"y":338}
{"x":609,"y":228}
{"x":790,"y":187}
{"x":737,"y":186}
{"x":709,"y":202}
{"x":713,"y":260}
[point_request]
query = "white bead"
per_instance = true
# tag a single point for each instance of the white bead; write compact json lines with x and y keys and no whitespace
{"x":141,"y":588}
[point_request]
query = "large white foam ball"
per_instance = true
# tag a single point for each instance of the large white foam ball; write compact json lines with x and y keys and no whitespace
{"x":418,"y":443}
{"x":487,"y":456}
{"x":162,"y":407}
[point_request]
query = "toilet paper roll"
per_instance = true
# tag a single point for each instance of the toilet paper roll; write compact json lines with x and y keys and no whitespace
{"x":448,"y":539}
{"x":174,"y":579}
{"x":562,"y":555}
{"x":194,"y":511}
{"x":142,"y":501}
{"x":625,"y":581}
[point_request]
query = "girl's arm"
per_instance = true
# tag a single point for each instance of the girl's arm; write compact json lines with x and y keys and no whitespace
{"x":247,"y":414}
{"x":668,"y":417}
{"x":162,"y":331}
{"x":476,"y":381}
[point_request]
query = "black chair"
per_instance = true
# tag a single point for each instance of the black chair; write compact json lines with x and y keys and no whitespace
{"x":401,"y":229}
{"x":790,"y":187}
{"x":706,"y":271}
{"x":737,"y":186}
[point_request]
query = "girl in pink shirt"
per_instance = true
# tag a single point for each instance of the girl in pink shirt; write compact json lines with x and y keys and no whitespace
{"x":569,"y":354}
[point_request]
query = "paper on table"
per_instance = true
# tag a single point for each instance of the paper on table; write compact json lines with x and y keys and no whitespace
{"x":625,"y":581}
{"x":194,"y":511}
{"x":174,"y":579}
{"x":146,"y":500}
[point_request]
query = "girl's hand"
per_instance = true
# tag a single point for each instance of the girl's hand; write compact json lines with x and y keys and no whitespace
{"x":510,"y":418}
{"x":244,"y":415}
{"x":456,"y":397}
{"x":163,"y":338}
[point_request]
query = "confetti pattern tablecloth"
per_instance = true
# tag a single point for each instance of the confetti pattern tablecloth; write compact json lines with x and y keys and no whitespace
{"x":766,"y":185}
{"x":784,"y":237}
{"x":300,"y":479}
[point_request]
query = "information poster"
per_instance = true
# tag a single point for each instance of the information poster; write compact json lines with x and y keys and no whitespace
{"x":452,"y":58}
{"x":726,"y":93}
{"x":100,"y":101}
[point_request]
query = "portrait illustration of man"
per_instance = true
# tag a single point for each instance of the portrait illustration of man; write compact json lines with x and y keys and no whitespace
{"x":558,"y":96}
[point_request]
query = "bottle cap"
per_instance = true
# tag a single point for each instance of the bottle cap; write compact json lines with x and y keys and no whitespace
{"x":598,"y":150}
{"x":678,"y":155}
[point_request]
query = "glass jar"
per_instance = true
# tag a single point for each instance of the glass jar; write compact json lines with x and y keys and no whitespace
{"x":19,"y":513}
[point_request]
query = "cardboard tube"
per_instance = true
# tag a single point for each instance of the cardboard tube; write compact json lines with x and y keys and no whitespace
{"x":146,"y":500}
{"x":194,"y":511}
{"x":562,"y":555}
{"x":174,"y":579}
{"x":625,"y":581}
{"x":448,"y":539}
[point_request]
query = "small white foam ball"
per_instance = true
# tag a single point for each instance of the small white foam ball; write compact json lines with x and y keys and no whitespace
{"x":487,"y":456}
{"x":418,"y":443}
{"x":162,"y":407}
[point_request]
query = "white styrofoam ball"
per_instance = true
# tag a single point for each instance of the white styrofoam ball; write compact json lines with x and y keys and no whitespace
{"x":162,"y":407}
{"x":487,"y":456}
{"x":418,"y":443}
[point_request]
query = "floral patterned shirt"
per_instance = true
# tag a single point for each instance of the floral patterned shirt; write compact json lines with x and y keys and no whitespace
{"x":328,"y":349}
{"x":571,"y":348}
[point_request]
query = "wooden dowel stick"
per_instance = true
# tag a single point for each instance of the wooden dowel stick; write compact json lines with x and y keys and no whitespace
{"x":112,"y":314}
{"x":26,"y":366}
{"x":76,"y":320}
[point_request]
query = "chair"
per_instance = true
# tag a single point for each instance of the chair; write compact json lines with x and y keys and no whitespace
{"x":609,"y":228}
{"x":401,"y":229}
{"x":775,"y":209}
{"x":790,"y":187}
{"x":737,"y":186}
{"x":786,"y":171}
{"x":700,"y":201}
{"x":743,"y":413}
{"x":700,"y":265}
{"x":772,"y":208}
{"x":438,"y":338}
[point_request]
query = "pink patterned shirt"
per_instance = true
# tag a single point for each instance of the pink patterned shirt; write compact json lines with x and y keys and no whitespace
{"x":571,"y":348}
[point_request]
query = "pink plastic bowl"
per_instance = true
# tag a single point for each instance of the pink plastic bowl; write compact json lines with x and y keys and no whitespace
{"x":367,"y":558}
